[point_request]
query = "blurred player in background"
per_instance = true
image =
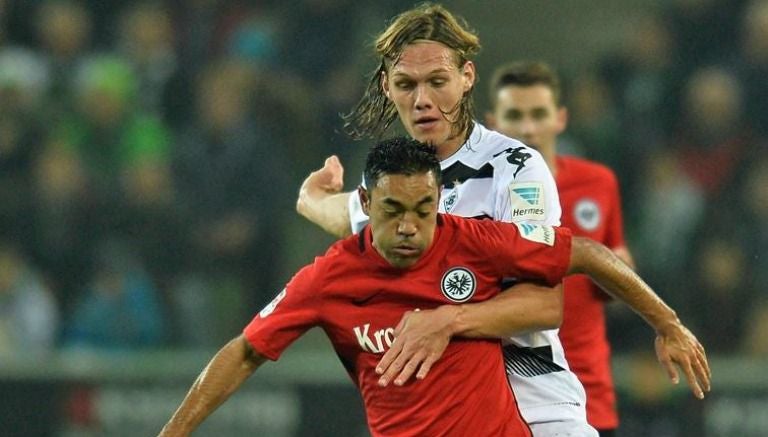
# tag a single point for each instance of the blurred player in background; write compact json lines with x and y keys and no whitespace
{"x":426,"y":78}
{"x":526,"y":105}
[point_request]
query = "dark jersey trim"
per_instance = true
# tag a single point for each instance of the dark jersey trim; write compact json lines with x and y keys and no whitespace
{"x":527,"y":362}
{"x":458,"y":172}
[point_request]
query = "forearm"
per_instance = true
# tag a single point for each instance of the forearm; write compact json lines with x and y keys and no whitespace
{"x":620,"y":281}
{"x":522,"y":308}
{"x":329,"y":211}
{"x":228,"y":369}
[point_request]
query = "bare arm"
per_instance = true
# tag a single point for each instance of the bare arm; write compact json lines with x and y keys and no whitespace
{"x":422,"y":336}
{"x":224,"y":374}
{"x":675,"y":344}
{"x":321,"y":200}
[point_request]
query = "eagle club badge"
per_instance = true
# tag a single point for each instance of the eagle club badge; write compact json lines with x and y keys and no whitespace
{"x":587,"y":214}
{"x":458,"y":284}
{"x":450,"y":200}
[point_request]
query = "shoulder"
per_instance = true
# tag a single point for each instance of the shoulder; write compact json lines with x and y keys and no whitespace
{"x":340,"y":257}
{"x":572,"y":166}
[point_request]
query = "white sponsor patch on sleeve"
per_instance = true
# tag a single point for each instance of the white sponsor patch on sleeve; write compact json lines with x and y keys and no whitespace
{"x":272,"y":305}
{"x":526,"y":201}
{"x":537,"y":233}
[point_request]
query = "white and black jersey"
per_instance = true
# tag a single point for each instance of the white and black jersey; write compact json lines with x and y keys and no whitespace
{"x":493,"y":176}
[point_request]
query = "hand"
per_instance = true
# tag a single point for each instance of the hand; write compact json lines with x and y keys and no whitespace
{"x":420,"y":340}
{"x":327,"y":180}
{"x":676,"y":347}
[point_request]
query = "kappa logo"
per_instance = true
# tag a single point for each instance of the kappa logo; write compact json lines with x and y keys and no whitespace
{"x":272,"y":305}
{"x":587,"y":214}
{"x":516,"y":157}
{"x":458,"y":284}
{"x":450,"y":201}
{"x":526,"y":201}
{"x":537,"y":233}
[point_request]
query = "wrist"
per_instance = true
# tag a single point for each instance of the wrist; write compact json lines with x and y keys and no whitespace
{"x":456,"y":324}
{"x":667,"y":322}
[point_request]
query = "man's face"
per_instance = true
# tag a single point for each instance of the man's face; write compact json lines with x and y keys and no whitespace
{"x":402,"y":211}
{"x":528,"y":114}
{"x":426,"y":87}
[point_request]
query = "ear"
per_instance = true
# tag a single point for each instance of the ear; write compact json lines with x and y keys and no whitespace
{"x":469,"y":75}
{"x":365,"y":201}
{"x":562,"y":119}
{"x":385,"y":84}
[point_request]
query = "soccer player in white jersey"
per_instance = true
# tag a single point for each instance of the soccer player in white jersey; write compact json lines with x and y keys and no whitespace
{"x":426,"y":78}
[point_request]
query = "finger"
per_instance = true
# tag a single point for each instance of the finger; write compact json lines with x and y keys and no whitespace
{"x":397,"y":365}
{"x":703,"y":354}
{"x":702,"y":373}
{"x":426,"y":366}
{"x":690,"y":376}
{"x":666,"y":361}
{"x":389,"y":357}
{"x":409,"y":369}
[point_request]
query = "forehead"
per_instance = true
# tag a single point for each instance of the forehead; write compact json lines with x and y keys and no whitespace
{"x":515,"y":96}
{"x":405,"y":188}
{"x":423,"y":57}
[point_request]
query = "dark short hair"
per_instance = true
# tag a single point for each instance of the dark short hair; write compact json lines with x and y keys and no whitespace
{"x":400,"y":155}
{"x":524,"y":74}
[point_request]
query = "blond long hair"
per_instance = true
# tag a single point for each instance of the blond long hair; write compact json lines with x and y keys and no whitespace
{"x":374,"y":113}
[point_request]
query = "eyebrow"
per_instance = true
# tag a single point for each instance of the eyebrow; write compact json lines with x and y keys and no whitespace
{"x":393,"y":202}
{"x":435,"y":71}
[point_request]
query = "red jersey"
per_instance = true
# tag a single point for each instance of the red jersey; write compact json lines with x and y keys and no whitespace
{"x":358,"y":298}
{"x":589,"y":196}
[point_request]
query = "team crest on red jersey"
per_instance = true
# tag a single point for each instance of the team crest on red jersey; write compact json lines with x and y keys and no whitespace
{"x":587,"y":214}
{"x":458,"y":284}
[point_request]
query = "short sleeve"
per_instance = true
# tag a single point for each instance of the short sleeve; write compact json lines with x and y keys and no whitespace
{"x":291,"y":313}
{"x":540,"y":253}
{"x":614,"y":237}
{"x":524,"y":188}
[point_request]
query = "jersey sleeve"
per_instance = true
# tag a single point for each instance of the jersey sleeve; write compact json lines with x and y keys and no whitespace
{"x":614,"y":237}
{"x":539,"y":253}
{"x":291,"y":313}
{"x":357,"y":217}
{"x":524,"y":189}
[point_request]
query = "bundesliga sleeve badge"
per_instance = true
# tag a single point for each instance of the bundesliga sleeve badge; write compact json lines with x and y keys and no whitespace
{"x":458,"y":284}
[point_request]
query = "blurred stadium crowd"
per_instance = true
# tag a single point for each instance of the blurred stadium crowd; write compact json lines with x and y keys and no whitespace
{"x":151,"y":152}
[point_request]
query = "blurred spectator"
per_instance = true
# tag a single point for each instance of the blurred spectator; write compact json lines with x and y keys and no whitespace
{"x":120,"y":308}
{"x":644,"y":79}
{"x":719,"y":283}
{"x":64,"y":33}
{"x":593,"y":124}
{"x":23,"y":80}
{"x":670,"y":211}
{"x":29,"y":316}
{"x":147,"y":39}
{"x":230,"y":175}
{"x":712,"y":136}
{"x":753,"y":64}
{"x":104,"y":171}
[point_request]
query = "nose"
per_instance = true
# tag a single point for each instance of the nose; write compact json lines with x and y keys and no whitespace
{"x":527,"y":127}
{"x":407,"y":226}
{"x":422,"y":98}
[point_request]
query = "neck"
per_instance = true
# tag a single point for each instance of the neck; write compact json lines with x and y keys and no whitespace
{"x":451,"y":145}
{"x":550,"y":155}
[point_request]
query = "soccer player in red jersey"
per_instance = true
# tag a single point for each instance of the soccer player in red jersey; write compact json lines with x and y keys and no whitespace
{"x":526,"y":105}
{"x":408,"y":258}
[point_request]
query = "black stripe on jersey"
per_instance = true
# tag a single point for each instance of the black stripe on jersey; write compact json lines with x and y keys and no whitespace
{"x":527,"y":362}
{"x":361,"y":241}
{"x":458,"y":172}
